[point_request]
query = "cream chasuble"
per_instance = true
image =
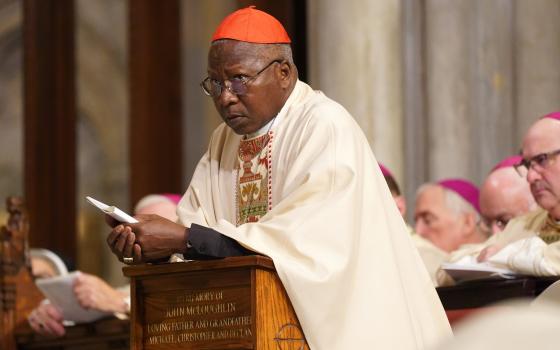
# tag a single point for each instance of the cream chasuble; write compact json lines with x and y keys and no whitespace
{"x":431,"y":255}
{"x":338,"y":242}
{"x":530,"y":245}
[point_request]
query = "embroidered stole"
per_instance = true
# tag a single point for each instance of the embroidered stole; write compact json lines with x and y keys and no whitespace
{"x":254,"y":182}
{"x":550,"y":231}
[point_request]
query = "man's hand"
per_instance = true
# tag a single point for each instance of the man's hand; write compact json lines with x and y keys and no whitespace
{"x":46,"y":320}
{"x":94,"y":293}
{"x":121,"y":240}
{"x":158,"y":237}
{"x":151,"y":239}
{"x":487,"y":252}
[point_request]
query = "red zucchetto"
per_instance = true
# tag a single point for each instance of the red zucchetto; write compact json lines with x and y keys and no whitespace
{"x":252,"y":26}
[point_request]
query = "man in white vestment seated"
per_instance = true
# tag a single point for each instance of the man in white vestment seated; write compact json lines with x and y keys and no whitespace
{"x":530,"y":243}
{"x":505,"y":195}
{"x":289,"y":174}
{"x":447,"y":214}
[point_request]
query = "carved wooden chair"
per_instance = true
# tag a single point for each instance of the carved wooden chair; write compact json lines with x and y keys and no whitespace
{"x":18,"y":293}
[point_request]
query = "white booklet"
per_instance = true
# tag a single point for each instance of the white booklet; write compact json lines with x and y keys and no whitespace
{"x":467,"y":272}
{"x":113,"y":211}
{"x":60,"y":292}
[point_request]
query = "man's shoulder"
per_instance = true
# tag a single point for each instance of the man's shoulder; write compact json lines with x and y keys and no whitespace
{"x":522,"y":227}
{"x":317,"y":103}
{"x":532,"y":220}
{"x":314,"y":108}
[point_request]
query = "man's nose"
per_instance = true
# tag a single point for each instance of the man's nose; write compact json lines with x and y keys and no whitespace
{"x":419,"y":227}
{"x":533,"y":175}
{"x":227,"y":97}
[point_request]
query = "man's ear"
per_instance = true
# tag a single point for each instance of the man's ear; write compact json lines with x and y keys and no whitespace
{"x":469,"y":224}
{"x":284,"y":74}
{"x":401,"y":204}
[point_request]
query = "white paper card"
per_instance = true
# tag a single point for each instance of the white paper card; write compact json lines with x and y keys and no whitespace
{"x":60,"y":292}
{"x":113,"y":211}
{"x":467,"y":272}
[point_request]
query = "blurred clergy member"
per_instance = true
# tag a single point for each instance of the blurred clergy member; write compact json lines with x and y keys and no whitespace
{"x":504,"y":195}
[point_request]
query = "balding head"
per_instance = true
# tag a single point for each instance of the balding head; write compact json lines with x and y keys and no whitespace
{"x":541,"y":147}
{"x":503,"y":196}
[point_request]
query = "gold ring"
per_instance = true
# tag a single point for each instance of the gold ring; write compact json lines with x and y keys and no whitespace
{"x":128,"y":260}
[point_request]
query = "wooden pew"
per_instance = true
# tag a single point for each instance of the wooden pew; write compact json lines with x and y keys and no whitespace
{"x":465,"y":299}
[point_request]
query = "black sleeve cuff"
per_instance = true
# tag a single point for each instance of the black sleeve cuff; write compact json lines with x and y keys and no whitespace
{"x":206,"y":242}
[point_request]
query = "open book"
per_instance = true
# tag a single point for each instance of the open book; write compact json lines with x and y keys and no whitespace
{"x":465,"y":272}
{"x":113,"y":211}
{"x":60,"y":292}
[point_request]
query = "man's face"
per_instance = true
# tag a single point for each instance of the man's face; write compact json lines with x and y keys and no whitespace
{"x":40,"y":268}
{"x":504,"y":196}
{"x":435,"y":221}
{"x":544,"y":179}
{"x":265,"y":94}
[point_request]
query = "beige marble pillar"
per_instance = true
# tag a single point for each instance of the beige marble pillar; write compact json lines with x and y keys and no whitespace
{"x":537,"y":57}
{"x":11,"y":114}
{"x":355,"y":58}
{"x":199,"y":20}
{"x":447,"y":87}
{"x":469,"y":87}
{"x":101,"y":75}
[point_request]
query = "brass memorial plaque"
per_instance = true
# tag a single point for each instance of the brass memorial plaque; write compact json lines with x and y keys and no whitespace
{"x":199,"y":315}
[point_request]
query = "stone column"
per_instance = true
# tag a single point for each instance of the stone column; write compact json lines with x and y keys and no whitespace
{"x":355,"y":58}
{"x":537,"y":53}
{"x":102,"y":149}
{"x":200,"y":118}
{"x":447,"y":87}
{"x":469,"y":79}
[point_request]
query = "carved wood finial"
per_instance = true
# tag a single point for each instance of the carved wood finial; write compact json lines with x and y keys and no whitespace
{"x":15,"y":234}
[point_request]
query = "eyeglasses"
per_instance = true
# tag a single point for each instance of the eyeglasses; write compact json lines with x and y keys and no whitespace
{"x":236,"y":85}
{"x":537,"y":162}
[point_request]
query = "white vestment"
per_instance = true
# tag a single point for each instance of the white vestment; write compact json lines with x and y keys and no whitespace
{"x":338,"y":242}
{"x":530,"y":245}
{"x":431,"y":255}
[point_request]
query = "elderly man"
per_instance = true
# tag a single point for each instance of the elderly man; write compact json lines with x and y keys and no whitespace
{"x":530,"y":244}
{"x":288,"y":175}
{"x":504,"y":195}
{"x":447,"y":214}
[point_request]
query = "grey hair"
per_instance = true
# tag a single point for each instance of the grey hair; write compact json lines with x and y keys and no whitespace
{"x":459,"y":205}
{"x":453,"y":201}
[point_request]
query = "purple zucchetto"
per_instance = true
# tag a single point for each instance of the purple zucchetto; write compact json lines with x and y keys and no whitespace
{"x":467,"y":190}
{"x":508,"y":162}
{"x":384,"y":170}
{"x":553,"y":115}
{"x":157,"y":198}
{"x":175,"y":198}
